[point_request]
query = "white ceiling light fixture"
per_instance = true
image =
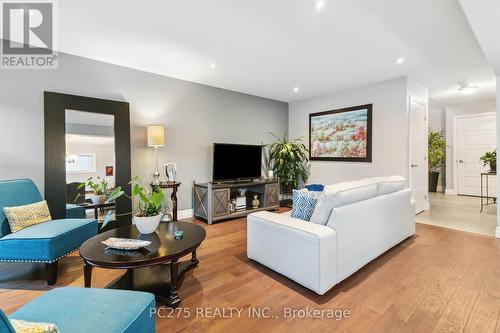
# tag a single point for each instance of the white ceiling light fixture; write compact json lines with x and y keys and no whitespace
{"x":296,"y":89}
{"x":213,"y":65}
{"x":399,"y":61}
{"x":319,"y":4}
{"x":466,"y":89}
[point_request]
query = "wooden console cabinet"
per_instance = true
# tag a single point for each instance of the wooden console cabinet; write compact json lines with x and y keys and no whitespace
{"x":211,"y":201}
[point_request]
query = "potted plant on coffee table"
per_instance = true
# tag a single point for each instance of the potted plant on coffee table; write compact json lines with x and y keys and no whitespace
{"x":490,"y":159}
{"x":99,"y":188}
{"x":148,"y":202}
{"x":288,"y":159}
{"x":436,"y":155}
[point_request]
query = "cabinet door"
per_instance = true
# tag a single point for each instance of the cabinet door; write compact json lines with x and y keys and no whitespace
{"x":272,"y":195}
{"x":220,"y":202}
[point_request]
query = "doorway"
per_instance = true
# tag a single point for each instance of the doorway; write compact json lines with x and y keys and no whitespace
{"x":418,"y":155}
{"x":475,"y":135}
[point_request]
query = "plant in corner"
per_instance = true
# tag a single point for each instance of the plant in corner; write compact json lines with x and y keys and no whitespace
{"x":99,"y":189}
{"x":436,"y":155}
{"x":149,"y":204}
{"x":490,"y":159}
{"x":288,"y":159}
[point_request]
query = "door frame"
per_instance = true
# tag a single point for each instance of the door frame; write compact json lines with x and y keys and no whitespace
{"x":410,"y":148}
{"x":456,"y":118}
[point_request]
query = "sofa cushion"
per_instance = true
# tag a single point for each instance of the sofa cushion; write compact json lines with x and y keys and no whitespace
{"x":391,"y":184}
{"x":303,"y":203}
{"x":47,"y":241}
{"x":342,"y":194}
{"x":85,"y":310}
{"x":21,"y":217}
{"x":16,"y":193}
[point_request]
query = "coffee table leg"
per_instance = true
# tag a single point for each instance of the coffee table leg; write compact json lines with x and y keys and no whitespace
{"x":194,"y":259}
{"x":87,"y":274}
{"x":173,"y":297}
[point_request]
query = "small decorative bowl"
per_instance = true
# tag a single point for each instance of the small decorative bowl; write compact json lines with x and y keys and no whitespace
{"x":178,"y":234}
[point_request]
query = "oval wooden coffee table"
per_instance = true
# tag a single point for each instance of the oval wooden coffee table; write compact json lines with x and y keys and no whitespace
{"x":155,"y":268}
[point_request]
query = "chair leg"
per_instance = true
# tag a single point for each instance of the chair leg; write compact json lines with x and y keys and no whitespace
{"x":51,"y":272}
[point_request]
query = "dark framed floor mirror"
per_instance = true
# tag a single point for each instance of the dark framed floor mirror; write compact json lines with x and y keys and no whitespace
{"x":55,"y":107}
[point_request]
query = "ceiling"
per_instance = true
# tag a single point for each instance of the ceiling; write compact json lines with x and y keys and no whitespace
{"x":483,"y":16}
{"x":269,"y":47}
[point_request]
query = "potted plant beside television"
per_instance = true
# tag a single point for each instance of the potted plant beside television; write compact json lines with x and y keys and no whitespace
{"x":490,"y":159}
{"x":288,"y":159}
{"x":436,"y":155}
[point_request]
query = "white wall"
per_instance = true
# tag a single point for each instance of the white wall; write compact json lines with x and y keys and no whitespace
{"x":195,"y":116}
{"x":457,"y":110}
{"x":389,"y":134}
{"x":497,"y":232}
{"x":105,"y":156}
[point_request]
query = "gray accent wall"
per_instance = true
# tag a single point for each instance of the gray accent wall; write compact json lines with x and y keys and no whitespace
{"x":195,"y":116}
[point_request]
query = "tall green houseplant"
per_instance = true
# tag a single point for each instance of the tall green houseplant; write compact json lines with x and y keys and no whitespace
{"x":436,"y":157}
{"x":288,"y":159}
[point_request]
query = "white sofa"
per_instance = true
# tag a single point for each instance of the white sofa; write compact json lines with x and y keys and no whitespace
{"x":352,"y":224}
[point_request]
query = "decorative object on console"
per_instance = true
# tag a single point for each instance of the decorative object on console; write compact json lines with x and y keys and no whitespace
{"x":289,"y":163}
{"x":270,"y":174}
{"x":241,"y":202}
{"x":304,"y":202}
{"x":436,"y":154}
{"x":156,"y":139}
{"x":25,"y":216}
{"x":171,"y":171}
{"x":242,"y":191}
{"x":255,"y":202}
{"x":341,"y":135}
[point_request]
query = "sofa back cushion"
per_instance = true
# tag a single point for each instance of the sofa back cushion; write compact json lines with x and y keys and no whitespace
{"x":342,"y":194}
{"x":5,"y":325}
{"x":16,"y":193}
{"x":391,"y":184}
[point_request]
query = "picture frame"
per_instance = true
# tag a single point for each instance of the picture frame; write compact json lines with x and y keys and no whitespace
{"x":341,"y":135}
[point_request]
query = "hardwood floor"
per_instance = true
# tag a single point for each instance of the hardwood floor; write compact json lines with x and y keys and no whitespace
{"x":439,"y":280}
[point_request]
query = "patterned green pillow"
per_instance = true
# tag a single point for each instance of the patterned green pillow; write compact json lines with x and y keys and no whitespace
{"x":21,"y":326}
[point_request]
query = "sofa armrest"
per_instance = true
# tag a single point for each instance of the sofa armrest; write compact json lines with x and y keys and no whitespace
{"x":303,"y":251}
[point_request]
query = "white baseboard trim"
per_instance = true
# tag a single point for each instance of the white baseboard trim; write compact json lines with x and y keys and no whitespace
{"x":450,"y":191}
{"x":497,"y":232}
{"x":185,"y":214}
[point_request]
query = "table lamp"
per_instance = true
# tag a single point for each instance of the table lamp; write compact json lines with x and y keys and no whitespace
{"x":156,"y":139}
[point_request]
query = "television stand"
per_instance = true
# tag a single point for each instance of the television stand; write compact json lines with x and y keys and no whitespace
{"x":211,"y":201}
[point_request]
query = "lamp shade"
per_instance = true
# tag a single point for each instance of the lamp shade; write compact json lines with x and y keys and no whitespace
{"x":156,"y":135}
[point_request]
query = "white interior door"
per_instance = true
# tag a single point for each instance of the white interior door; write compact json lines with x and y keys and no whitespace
{"x":475,"y":136}
{"x":418,"y":151}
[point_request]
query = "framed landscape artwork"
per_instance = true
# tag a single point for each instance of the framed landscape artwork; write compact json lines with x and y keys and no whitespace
{"x":341,"y":135}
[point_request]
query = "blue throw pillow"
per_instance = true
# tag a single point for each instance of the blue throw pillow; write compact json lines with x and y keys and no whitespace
{"x":315,"y":187}
{"x":303,"y":203}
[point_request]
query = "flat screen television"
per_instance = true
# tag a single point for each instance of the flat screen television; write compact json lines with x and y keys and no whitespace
{"x":233,"y":162}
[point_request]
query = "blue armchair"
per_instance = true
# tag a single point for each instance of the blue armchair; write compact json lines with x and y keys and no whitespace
{"x":45,"y":242}
{"x":83,"y":310}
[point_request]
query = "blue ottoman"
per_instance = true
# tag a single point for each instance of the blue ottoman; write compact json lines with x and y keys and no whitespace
{"x":85,"y":310}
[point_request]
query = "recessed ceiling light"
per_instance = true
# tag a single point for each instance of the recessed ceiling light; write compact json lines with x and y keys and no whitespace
{"x":399,"y":61}
{"x":319,"y":4}
{"x":296,"y":89}
{"x":213,"y":66}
